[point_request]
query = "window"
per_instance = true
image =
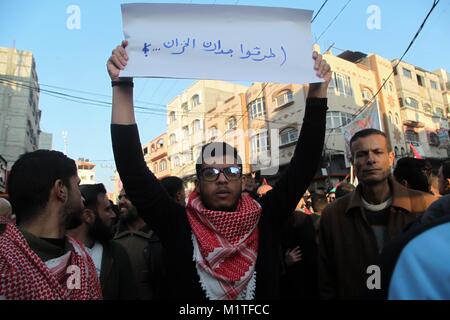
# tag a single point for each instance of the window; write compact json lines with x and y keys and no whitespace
{"x":196,"y":126}
{"x":160,"y":143}
{"x":195,"y":101}
{"x":402,"y":152}
{"x":407,"y":73}
{"x":163,"y":165}
{"x":427,"y":108}
{"x":185,"y":131}
{"x":420,"y":81}
{"x":173,"y":139}
{"x":185,"y":108}
{"x":332,"y":84}
{"x":413,"y":103}
{"x":397,"y":122}
{"x":390,"y":117}
{"x":288,"y":135}
{"x":411,"y":136}
{"x":260,"y":143}
{"x":172,"y":116}
{"x":284,"y":98}
{"x":396,"y":151}
{"x":145,"y":151}
{"x":440,"y":112}
{"x":256,"y":108}
{"x":433,"y":139}
{"x":391,"y":87}
{"x":176,"y":162}
{"x":366,"y":95}
{"x":343,"y":84}
{"x":213,"y":133}
{"x":434,"y":85}
{"x":231,"y":123}
{"x":336,"y":119}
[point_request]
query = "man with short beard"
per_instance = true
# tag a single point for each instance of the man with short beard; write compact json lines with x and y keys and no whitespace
{"x":94,"y":228}
{"x":37,"y":260}
{"x":139,"y":242}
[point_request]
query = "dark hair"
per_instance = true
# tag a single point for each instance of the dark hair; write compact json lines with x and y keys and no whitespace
{"x":319,"y":202}
{"x":366,"y":133}
{"x":412,"y":170}
{"x":342,"y":189}
{"x":172,"y":185}
{"x":90,"y":193}
{"x":446,"y":169}
{"x":33,"y":176}
{"x":213,"y":149}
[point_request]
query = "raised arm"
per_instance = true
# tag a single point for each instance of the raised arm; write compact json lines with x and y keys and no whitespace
{"x":293,"y":183}
{"x":152,"y":202}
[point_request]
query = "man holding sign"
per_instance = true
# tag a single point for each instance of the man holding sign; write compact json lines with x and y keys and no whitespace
{"x":224,"y":244}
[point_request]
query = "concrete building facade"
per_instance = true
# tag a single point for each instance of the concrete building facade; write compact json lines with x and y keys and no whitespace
{"x":155,"y":154}
{"x":86,"y":171}
{"x":19,"y":104}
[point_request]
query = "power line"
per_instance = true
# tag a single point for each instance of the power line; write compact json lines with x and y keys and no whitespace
{"x":320,"y":9}
{"x":334,"y":19}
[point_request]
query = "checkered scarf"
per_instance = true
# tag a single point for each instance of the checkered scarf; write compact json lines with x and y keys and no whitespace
{"x":24,"y":276}
{"x":227,"y":243}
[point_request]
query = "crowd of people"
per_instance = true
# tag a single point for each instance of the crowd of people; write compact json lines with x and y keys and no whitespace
{"x":231,"y":238}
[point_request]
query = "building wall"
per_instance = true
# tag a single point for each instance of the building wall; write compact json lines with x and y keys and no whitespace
{"x":19,"y":111}
{"x":155,"y":154}
{"x":423,"y":108}
{"x":45,"y":141}
{"x":86,"y":171}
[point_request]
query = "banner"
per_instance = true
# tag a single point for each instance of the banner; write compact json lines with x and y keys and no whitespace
{"x":222,"y":42}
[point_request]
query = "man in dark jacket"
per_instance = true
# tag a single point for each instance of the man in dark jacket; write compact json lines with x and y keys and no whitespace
{"x":355,"y":228}
{"x":222,"y":245}
{"x":94,"y":227}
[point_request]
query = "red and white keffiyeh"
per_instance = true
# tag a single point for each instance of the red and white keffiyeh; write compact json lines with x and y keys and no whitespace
{"x":24,"y":276}
{"x":228,"y":246}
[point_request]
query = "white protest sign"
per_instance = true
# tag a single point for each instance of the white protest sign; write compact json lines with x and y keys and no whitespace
{"x":218,"y":42}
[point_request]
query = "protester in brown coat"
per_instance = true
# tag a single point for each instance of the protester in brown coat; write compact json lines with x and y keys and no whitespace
{"x":355,"y":228}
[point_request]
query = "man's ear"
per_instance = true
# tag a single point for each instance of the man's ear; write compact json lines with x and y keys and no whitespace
{"x":60,"y":190}
{"x":391,"y":158}
{"x":88,"y":216}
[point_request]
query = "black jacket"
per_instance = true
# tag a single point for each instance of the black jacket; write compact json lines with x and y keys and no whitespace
{"x":169,"y":221}
{"x":116,"y":275}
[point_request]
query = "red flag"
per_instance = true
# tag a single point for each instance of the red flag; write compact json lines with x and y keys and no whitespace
{"x":415,"y":152}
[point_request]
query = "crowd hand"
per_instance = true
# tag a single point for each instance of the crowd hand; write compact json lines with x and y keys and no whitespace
{"x":117,"y":62}
{"x":323,"y":71}
{"x":293,"y":256}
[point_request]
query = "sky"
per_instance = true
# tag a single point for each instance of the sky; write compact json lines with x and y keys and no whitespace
{"x":75,"y":59}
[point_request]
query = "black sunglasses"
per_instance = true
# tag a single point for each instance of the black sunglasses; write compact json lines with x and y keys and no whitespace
{"x":212,"y":174}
